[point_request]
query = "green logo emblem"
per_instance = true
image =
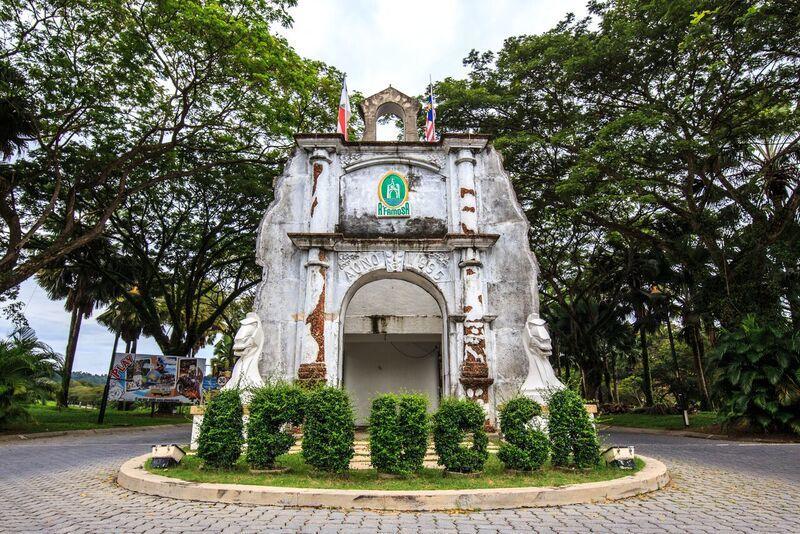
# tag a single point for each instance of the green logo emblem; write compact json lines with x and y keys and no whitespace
{"x":393,"y":196}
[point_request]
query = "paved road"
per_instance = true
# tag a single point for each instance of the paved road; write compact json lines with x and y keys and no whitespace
{"x":67,"y":485}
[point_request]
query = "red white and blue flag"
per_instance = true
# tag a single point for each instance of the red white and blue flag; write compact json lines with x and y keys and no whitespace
{"x":343,"y":118}
{"x":430,"y":118}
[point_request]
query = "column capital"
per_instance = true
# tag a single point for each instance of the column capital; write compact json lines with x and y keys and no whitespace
{"x":321,"y":154}
{"x":465,"y":155}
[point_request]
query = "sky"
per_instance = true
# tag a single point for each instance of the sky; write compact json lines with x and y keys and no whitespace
{"x":377,"y":43}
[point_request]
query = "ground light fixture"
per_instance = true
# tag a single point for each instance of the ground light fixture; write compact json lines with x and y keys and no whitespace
{"x":164,"y":456}
{"x":621,"y":457}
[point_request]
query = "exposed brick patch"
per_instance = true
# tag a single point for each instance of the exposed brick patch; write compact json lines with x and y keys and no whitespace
{"x":467,"y":309}
{"x":466,"y":230}
{"x":310,"y":374}
{"x":466,"y":191}
{"x":316,"y":321}
{"x":468,"y":208}
{"x":317,"y":172}
{"x":313,"y":206}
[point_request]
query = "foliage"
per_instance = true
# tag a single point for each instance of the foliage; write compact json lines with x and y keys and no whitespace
{"x":646,"y":132}
{"x":329,"y":429}
{"x":220,"y":442}
{"x":398,"y":432}
{"x":26,"y":369}
{"x":82,"y":288}
{"x":121,"y":317}
{"x":758,"y":375}
{"x":85,"y":394}
{"x":523,"y":448}
{"x":110,"y":98}
{"x":453,"y":422}
{"x":272,"y":407}
{"x":573,"y":437}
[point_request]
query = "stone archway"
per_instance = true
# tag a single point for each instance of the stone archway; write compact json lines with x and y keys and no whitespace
{"x":390,"y":101}
{"x":393,"y":338}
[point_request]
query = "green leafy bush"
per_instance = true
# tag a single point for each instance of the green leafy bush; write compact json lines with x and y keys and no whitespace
{"x":26,"y":369}
{"x":220,"y":442}
{"x":523,"y":448}
{"x":573,"y":437}
{"x":271,"y":408}
{"x":758,"y":376}
{"x":451,"y":423}
{"x":329,"y":430}
{"x":398,"y":433}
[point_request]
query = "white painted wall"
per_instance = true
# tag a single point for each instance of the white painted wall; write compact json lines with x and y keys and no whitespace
{"x":373,"y":365}
{"x":392,"y":343}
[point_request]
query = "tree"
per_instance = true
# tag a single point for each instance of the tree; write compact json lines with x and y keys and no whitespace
{"x":120,"y":96}
{"x":121,"y":317}
{"x":71,"y":278}
{"x":189,"y":249}
{"x":673,"y":125}
{"x":26,"y":369}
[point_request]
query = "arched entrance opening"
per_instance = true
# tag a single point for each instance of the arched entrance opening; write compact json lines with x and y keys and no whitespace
{"x":393,"y":339}
{"x":389,"y":124}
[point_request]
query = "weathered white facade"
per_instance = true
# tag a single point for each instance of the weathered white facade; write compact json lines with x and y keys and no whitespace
{"x":463,"y":239}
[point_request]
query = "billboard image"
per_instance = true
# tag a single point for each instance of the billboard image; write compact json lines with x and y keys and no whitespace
{"x":156,"y":378}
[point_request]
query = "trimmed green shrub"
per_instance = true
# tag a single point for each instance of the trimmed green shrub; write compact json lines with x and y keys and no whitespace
{"x":451,"y":423}
{"x":398,"y":433}
{"x":523,"y":448}
{"x":573,"y":437}
{"x":220,"y":441}
{"x":758,"y":376}
{"x":271,"y":408}
{"x":329,"y":430}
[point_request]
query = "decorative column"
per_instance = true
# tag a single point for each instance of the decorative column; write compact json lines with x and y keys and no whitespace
{"x":474,"y":369}
{"x":465,"y":165}
{"x":312,"y":359}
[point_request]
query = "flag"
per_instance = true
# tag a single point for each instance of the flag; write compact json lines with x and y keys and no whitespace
{"x":344,"y":111}
{"x":430,"y":118}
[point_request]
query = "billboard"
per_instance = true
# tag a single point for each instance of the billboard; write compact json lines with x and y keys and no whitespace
{"x":156,"y":378}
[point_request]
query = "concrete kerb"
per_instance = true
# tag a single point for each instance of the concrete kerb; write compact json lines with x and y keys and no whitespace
{"x":652,"y":477}
{"x":87,"y":432}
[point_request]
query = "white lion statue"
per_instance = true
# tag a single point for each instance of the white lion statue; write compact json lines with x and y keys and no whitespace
{"x":247,"y":344}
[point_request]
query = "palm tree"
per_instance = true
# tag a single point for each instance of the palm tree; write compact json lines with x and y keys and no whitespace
{"x":27,"y":367}
{"x":72,"y":278}
{"x":120,"y":317}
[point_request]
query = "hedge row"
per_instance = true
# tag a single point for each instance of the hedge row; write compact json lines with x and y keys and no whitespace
{"x":398,"y":432}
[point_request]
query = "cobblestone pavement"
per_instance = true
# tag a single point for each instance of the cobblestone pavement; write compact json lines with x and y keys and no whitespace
{"x":67,"y":485}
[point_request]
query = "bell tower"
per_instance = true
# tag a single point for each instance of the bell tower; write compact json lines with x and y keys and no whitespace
{"x":390,"y":101}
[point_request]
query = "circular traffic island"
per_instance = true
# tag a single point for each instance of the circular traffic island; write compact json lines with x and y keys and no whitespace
{"x":427,"y":490}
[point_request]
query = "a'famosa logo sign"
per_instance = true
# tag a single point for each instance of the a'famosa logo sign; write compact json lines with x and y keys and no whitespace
{"x":393,"y":195}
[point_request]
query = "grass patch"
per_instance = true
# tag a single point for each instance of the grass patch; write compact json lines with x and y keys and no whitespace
{"x":303,"y":476}
{"x":699,"y":421}
{"x":49,"y":418}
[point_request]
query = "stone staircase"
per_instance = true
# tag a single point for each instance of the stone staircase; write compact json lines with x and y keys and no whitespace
{"x":361,"y":457}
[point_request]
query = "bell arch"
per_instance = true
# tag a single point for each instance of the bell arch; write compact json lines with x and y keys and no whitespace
{"x":390,"y":101}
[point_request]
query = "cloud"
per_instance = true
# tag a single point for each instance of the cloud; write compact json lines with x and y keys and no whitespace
{"x":384,"y":42}
{"x":51,"y":322}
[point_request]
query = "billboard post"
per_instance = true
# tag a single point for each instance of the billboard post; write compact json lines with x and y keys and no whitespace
{"x":104,"y":400}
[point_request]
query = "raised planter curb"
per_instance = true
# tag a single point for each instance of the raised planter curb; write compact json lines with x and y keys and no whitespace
{"x":691,"y":434}
{"x":87,"y":432}
{"x":652,"y":477}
